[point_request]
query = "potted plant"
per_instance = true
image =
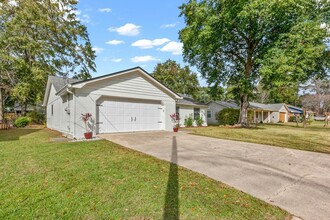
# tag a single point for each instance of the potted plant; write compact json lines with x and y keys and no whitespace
{"x":175,"y":119}
{"x":86,"y":118}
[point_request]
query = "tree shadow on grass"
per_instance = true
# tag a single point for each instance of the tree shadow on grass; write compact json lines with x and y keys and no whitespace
{"x":15,"y":133}
{"x":171,"y":206}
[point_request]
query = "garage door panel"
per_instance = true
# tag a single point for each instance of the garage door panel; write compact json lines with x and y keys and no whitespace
{"x":121,"y":116}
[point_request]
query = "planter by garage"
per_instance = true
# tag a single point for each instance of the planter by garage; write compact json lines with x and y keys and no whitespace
{"x":88,"y":135}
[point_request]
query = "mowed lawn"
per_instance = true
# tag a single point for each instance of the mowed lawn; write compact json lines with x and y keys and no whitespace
{"x":314,"y":137}
{"x":101,"y":180}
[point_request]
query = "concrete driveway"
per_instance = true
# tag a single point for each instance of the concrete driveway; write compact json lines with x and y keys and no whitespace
{"x":297,"y":181}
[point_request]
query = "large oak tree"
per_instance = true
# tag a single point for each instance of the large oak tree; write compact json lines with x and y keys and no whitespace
{"x":40,"y":38}
{"x":246,"y":43}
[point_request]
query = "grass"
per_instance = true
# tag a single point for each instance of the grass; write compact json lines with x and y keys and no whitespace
{"x":102,"y":180}
{"x":314,"y":137}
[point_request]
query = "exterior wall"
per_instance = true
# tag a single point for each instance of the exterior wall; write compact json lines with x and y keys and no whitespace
{"x":283,"y":109}
{"x":186,"y":111}
{"x":133,"y":85}
{"x":214,"y":108}
{"x":169,"y":108}
{"x":60,"y":120}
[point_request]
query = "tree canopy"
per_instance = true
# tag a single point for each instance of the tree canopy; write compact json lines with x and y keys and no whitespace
{"x":40,"y":38}
{"x":242,"y":44}
{"x":180,"y":80}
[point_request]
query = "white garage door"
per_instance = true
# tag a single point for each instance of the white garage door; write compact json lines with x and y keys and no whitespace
{"x":123,"y":116}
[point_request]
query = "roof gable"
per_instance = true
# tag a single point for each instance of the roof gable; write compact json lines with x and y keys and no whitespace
{"x":146,"y":75}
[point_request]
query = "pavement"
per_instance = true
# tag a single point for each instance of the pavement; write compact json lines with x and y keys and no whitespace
{"x":297,"y":181}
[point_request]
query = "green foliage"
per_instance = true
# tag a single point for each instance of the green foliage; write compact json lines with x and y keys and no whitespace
{"x":188,"y":121}
{"x":36,"y":117}
{"x":180,"y":80}
{"x":40,"y":38}
{"x":199,"y":121}
{"x":228,"y":116}
{"x":22,"y":122}
{"x":240,"y":44}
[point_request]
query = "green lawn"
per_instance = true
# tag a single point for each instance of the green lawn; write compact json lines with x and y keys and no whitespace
{"x":101,"y":180}
{"x":314,"y":137}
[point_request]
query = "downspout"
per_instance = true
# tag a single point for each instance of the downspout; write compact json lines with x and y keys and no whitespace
{"x":73,"y":110}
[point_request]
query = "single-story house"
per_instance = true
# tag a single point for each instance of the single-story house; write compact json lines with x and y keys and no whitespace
{"x":294,"y":110}
{"x":125,"y":101}
{"x":265,"y":113}
{"x":216,"y":106}
{"x":188,"y":107}
{"x":269,"y":113}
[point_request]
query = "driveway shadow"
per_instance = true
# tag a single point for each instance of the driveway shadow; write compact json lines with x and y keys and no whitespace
{"x":171,"y":206}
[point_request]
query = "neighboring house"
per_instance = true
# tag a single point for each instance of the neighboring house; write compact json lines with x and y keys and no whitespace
{"x":187,"y":107}
{"x":215,"y":107}
{"x":265,"y":113}
{"x":18,"y":109}
{"x":269,"y":113}
{"x":125,"y":101}
{"x":293,"y":110}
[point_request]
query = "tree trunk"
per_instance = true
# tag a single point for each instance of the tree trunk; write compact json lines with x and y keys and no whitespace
{"x":243,"y":115}
{"x":304,"y":117}
{"x":23,"y":109}
{"x":1,"y":106}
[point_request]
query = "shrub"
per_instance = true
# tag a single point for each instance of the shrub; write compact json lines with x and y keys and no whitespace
{"x":199,"y":121}
{"x":188,"y":121}
{"x":36,"y":117}
{"x":21,"y":122}
{"x":228,"y":116}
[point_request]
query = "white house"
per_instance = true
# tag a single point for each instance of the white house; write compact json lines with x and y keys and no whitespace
{"x":265,"y":113}
{"x":125,"y":101}
{"x":188,"y":107}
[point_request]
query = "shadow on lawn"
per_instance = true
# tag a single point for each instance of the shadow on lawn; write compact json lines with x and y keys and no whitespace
{"x":15,"y":133}
{"x":171,"y":207}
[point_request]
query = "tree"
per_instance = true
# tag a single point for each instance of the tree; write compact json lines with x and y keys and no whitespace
{"x":40,"y":38}
{"x":317,"y":96}
{"x":241,"y":44}
{"x":180,"y":80}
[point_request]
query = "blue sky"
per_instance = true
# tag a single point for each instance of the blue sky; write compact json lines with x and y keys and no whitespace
{"x":129,"y":33}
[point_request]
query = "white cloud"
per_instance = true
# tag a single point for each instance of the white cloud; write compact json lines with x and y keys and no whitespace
{"x":127,"y":30}
{"x":146,"y":44}
{"x":85,"y":18}
{"x":115,"y":42}
{"x":97,"y":50}
{"x":107,"y":10}
{"x":169,"y":25}
{"x":118,"y":60}
{"x":174,"y":47}
{"x":143,"y":59}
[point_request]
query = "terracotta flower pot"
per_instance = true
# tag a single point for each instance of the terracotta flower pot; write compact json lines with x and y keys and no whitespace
{"x":175,"y":129}
{"x":88,"y":135}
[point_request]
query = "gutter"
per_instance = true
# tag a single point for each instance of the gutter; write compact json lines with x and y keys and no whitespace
{"x":73,"y":110}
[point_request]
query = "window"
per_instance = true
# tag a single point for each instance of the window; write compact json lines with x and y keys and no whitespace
{"x":209,"y":114}
{"x":196,"y":113}
{"x":52,"y":110}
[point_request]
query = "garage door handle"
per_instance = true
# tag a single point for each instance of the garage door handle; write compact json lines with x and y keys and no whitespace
{"x":131,"y":119}
{"x":135,"y":119}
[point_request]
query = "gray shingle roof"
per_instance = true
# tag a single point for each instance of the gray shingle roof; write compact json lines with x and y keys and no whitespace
{"x":253,"y":105}
{"x":228,"y":104}
{"x":273,"y":107}
{"x":60,"y":82}
{"x":189,"y":101}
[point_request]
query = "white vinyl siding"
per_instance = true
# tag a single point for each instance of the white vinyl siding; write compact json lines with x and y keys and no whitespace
{"x":133,"y":85}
